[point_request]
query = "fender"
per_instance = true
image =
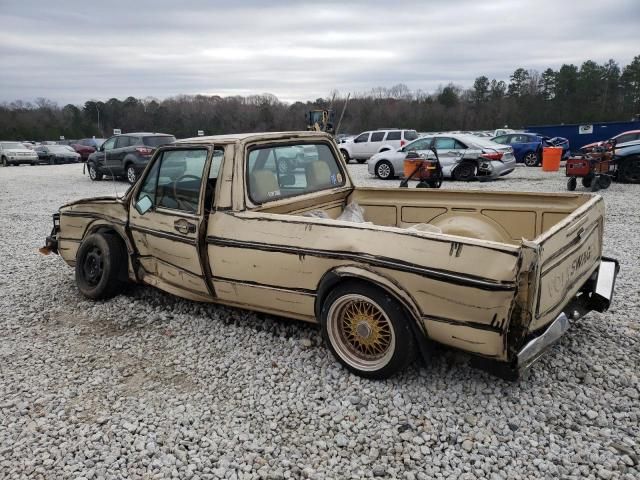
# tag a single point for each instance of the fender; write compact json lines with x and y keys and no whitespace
{"x":102,"y":226}
{"x":333,"y":277}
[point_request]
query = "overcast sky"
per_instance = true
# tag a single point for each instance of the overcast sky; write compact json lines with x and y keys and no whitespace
{"x":70,"y":51}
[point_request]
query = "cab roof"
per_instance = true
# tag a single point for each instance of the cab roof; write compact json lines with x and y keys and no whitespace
{"x":245,"y":137}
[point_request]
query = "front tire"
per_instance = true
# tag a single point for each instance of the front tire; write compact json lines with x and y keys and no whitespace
{"x":530,"y":159}
{"x":629,"y":170}
{"x":5,"y":162}
{"x":101,"y":264}
{"x":572,"y":183}
{"x":93,"y":173}
{"x":384,"y":170}
{"x":345,"y":155}
{"x":367,"y":330}
{"x":131,"y":174}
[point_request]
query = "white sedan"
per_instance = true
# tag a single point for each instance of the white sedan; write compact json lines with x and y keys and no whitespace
{"x":463,"y":157}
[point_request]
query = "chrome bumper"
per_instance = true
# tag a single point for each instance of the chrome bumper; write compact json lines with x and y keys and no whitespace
{"x":598,"y":299}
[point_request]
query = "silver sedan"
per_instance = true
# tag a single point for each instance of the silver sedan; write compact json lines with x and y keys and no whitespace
{"x":463,"y":157}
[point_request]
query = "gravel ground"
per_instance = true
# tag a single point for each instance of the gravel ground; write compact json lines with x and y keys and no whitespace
{"x":151,"y":386}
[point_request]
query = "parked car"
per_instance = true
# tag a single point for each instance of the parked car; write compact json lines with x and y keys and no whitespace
{"x":463,"y":157}
{"x":496,"y":274}
{"x":56,"y":154}
{"x":621,"y":138}
{"x":15,"y":153}
{"x":363,"y":146}
{"x":527,"y":147}
{"x":628,"y":159}
{"x":125,"y":155}
{"x":87,"y":146}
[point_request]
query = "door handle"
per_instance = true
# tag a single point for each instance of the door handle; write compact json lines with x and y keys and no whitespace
{"x":184,"y":227}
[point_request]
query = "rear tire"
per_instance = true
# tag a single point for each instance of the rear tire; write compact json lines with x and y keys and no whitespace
{"x":131,"y":174}
{"x":572,"y":183}
{"x":345,"y":155}
{"x":101,"y":264}
{"x":93,"y":173}
{"x":465,"y":172}
{"x":629,"y":170}
{"x":595,"y":184}
{"x":367,"y":330}
{"x":384,"y":170}
{"x":530,"y":159}
{"x":5,"y":162}
{"x":604,"y":181}
{"x":587,"y":181}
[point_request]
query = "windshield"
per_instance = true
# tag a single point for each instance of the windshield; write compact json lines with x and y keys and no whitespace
{"x":281,"y":171}
{"x":12,"y":145}
{"x":159,"y":140}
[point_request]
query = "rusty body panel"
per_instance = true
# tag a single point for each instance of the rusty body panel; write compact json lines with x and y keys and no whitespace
{"x":492,"y":269}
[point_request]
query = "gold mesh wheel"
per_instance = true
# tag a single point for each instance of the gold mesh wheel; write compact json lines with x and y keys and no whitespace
{"x":361,"y":332}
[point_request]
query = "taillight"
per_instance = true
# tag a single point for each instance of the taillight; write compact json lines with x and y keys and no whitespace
{"x":492,"y":155}
{"x":402,"y":143}
{"x":144,"y":151}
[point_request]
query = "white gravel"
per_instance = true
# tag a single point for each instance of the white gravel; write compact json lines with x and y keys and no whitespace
{"x":151,"y":386}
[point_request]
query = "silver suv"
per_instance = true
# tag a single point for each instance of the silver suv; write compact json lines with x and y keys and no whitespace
{"x":363,"y":146}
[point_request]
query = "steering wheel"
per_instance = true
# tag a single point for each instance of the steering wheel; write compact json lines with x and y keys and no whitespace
{"x":182,"y":202}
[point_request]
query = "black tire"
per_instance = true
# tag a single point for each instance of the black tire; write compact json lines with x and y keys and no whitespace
{"x":345,"y":155}
{"x":423,"y":185}
{"x":387,"y":319}
{"x":604,"y":181}
{"x":572,"y":183}
{"x":5,"y":162}
{"x":629,"y":170}
{"x":384,"y":170}
{"x":93,"y":173}
{"x":465,"y":172}
{"x":130,"y":173}
{"x":595,"y":184}
{"x":101,"y":266}
{"x":587,"y":181}
{"x":52,"y":160}
{"x":530,"y":159}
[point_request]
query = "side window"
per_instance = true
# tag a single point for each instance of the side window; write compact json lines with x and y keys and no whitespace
{"x":459,"y":145}
{"x":285,"y":171}
{"x":421,"y":144}
{"x":410,"y":135}
{"x":502,"y":139}
{"x":377,"y":136}
{"x":445,"y":143}
{"x":395,"y":135}
{"x":364,"y":137}
{"x":175,"y":180}
{"x":123,"y":141}
{"x":110,"y":144}
{"x":216,"y":163}
{"x":625,"y":138}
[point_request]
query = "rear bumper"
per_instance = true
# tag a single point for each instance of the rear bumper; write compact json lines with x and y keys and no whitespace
{"x":597,"y":296}
{"x":51,"y":242}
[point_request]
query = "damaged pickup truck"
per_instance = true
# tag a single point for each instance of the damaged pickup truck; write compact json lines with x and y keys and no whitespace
{"x":220,"y":219}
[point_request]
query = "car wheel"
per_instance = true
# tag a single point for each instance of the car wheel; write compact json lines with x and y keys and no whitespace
{"x":595,"y":184}
{"x":101,"y":264}
{"x":367,"y":330}
{"x":630,"y":170}
{"x":464,"y":172}
{"x":5,"y":162}
{"x":572,"y":183}
{"x":530,"y":159}
{"x":94,"y":174}
{"x":52,"y":160}
{"x":384,"y":170}
{"x":345,"y":155}
{"x":587,"y":181}
{"x":132,"y":175}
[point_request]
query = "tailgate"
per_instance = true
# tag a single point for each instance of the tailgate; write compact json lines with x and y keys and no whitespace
{"x":567,"y":256}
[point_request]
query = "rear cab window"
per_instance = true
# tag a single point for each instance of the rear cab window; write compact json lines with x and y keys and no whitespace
{"x":282,"y":171}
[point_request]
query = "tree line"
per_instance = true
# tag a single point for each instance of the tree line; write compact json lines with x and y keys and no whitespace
{"x":590,"y":93}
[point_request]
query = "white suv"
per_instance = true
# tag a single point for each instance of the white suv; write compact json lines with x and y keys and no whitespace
{"x":366,"y":144}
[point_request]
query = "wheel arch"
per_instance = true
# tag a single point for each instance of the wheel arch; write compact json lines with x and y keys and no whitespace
{"x":101,"y":226}
{"x":345,"y":273}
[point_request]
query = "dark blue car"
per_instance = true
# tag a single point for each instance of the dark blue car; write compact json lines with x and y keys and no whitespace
{"x":527,"y":147}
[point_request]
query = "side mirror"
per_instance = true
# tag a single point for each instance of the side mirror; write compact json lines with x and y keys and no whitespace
{"x":143,"y":205}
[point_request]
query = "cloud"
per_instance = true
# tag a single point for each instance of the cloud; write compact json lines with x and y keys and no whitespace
{"x":70,"y":51}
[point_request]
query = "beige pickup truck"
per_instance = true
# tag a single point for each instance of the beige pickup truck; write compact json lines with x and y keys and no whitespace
{"x":233,"y":220}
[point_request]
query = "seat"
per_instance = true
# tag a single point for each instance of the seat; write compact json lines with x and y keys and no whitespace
{"x":318,"y":175}
{"x":263,"y":185}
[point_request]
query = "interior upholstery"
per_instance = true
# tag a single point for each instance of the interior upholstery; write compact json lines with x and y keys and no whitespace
{"x":318,"y":174}
{"x":263,"y":185}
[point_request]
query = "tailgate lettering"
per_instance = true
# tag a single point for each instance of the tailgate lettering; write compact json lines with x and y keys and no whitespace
{"x":561,"y":279}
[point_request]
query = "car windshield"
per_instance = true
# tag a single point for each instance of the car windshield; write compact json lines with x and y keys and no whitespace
{"x":59,"y":148}
{"x":277,"y":172}
{"x":12,"y":145}
{"x":159,"y":140}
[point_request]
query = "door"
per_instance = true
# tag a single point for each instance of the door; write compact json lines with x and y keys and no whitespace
{"x":359,"y":149}
{"x":375,"y":143}
{"x":167,"y":218}
{"x":116,"y":156}
{"x":450,"y":151}
{"x":102,"y":156}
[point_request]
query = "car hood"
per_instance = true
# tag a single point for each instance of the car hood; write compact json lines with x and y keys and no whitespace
{"x":18,"y":150}
{"x":111,"y":208}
